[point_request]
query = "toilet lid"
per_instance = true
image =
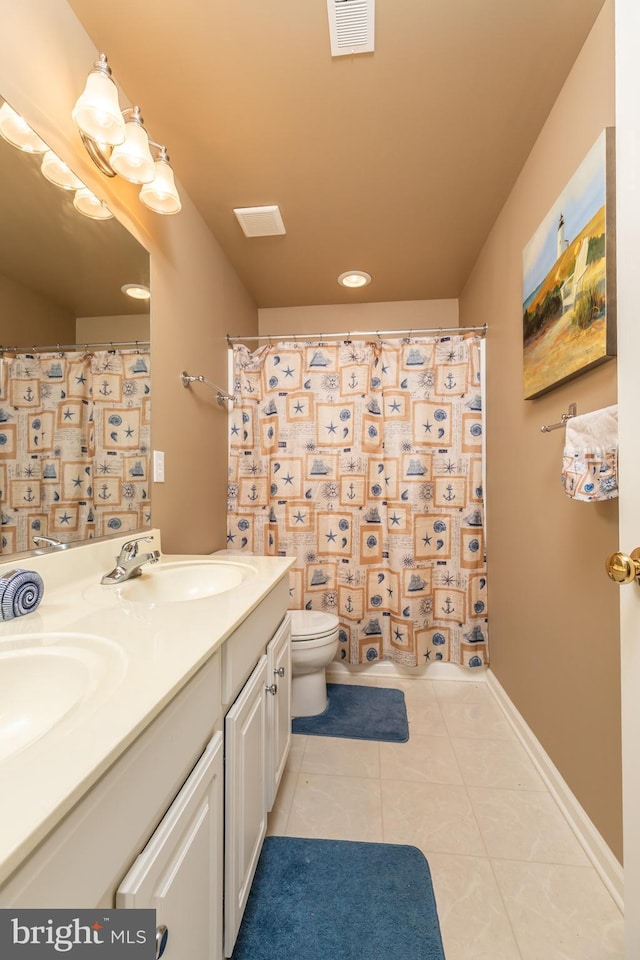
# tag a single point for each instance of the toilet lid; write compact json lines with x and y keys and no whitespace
{"x":307,"y":624}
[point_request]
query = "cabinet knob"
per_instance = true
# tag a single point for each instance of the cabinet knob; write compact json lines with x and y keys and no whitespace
{"x":279,"y":672}
{"x":162,"y":935}
{"x":272,"y":688}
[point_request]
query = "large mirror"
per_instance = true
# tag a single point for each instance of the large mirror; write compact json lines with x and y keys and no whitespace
{"x":62,"y":280}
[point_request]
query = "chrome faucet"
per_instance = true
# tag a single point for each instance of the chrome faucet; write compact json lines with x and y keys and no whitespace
{"x":47,"y":542}
{"x":129,"y":561}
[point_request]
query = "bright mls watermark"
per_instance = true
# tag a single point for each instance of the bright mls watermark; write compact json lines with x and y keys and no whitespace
{"x":77,"y":934}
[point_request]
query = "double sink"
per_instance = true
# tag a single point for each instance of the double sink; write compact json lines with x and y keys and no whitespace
{"x":47,"y":677}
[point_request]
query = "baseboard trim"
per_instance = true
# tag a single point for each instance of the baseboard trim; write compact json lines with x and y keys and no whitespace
{"x":605,"y":863}
{"x":387,"y":668}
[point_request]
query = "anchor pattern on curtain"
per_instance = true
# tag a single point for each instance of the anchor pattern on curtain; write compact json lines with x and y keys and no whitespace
{"x":364,"y":461}
{"x":74,"y":445}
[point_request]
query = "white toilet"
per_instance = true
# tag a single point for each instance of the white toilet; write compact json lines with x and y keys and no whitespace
{"x":314,"y":642}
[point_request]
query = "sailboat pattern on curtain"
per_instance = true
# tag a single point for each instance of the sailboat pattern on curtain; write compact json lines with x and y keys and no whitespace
{"x":364,"y":461}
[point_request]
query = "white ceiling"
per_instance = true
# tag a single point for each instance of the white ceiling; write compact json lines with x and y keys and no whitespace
{"x":395,"y":162}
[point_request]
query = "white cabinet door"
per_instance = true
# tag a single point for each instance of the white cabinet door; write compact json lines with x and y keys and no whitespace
{"x":278,"y":708}
{"x":245,"y":812}
{"x":179,"y":872}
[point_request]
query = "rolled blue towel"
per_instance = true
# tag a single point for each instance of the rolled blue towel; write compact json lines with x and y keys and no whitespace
{"x":20,"y":593}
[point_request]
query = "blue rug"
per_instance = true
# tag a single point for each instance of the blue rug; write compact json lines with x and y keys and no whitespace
{"x":339,"y":900}
{"x":359,"y":713}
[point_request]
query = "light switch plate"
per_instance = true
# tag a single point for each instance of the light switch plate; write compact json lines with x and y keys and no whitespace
{"x":158,"y":466}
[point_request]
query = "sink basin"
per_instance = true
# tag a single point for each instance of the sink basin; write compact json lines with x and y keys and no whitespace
{"x":181,"y":581}
{"x":43,"y":679}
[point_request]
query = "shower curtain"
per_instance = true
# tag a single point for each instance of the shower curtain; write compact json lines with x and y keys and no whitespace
{"x":74,"y":445}
{"x":363,"y":460}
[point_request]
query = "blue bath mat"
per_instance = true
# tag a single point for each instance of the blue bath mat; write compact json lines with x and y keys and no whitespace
{"x":359,"y":713}
{"x":339,"y":900}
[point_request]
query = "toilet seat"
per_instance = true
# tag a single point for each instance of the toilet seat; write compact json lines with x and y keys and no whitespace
{"x":308,"y":625}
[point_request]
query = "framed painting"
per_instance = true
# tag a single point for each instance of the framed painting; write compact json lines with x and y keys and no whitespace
{"x":568,"y":278}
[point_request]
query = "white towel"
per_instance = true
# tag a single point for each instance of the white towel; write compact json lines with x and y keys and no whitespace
{"x":590,"y":458}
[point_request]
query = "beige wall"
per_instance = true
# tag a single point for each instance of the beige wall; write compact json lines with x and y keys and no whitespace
{"x":45,"y":55}
{"x":27,"y":318}
{"x":554,"y":617}
{"x":113,"y":329}
{"x":363,"y":317}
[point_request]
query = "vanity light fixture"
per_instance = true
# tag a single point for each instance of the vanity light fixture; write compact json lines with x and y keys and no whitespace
{"x":18,"y":133}
{"x":137,"y":291}
{"x":354,"y":278}
{"x":91,"y":206}
{"x":56,"y":171}
{"x":118,"y":143}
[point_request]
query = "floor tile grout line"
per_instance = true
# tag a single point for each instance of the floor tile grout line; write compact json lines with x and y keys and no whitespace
{"x":505,"y":907}
{"x":285,"y":826}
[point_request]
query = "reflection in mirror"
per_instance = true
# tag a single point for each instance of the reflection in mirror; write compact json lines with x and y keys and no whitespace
{"x":74,"y":421}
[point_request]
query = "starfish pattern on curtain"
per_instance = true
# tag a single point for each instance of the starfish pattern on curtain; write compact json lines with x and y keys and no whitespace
{"x":364,"y":461}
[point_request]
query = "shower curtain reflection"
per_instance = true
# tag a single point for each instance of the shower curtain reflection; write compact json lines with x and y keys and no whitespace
{"x":364,"y":461}
{"x":74,"y":445}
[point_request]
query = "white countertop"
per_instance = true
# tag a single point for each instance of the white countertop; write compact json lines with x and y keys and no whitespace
{"x":145,"y":653}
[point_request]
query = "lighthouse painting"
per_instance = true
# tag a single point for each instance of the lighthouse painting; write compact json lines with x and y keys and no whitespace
{"x":568,"y":270}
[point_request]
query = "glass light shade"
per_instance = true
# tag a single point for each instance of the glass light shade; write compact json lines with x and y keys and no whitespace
{"x":18,"y":133}
{"x":132,"y":158}
{"x":97,"y":111}
{"x":56,"y":171}
{"x":161,"y":194}
{"x":90,"y":206}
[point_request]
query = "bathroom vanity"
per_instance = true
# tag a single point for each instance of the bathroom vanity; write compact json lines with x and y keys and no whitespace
{"x":151,"y":787}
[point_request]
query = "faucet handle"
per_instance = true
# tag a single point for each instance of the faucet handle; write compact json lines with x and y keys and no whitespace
{"x":130,"y":548}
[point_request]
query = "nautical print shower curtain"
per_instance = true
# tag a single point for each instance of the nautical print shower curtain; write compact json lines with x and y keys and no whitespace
{"x":364,"y":461}
{"x":74,"y":445}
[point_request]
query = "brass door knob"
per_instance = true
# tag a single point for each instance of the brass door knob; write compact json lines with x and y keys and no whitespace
{"x":623,"y":568}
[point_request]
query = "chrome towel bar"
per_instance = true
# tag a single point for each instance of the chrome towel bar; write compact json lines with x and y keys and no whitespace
{"x":572,"y":412}
{"x":221,"y":396}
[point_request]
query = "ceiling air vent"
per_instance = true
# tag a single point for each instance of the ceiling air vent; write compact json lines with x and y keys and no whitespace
{"x":351,"y":25}
{"x":260,"y":221}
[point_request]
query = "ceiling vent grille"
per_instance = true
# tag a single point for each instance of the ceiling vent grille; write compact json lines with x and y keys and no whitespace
{"x":260,"y":221}
{"x":351,"y":26}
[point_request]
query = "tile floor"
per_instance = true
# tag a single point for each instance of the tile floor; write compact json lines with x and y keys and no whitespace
{"x":511,"y":880}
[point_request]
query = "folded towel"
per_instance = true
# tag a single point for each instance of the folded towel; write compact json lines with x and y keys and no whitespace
{"x":20,"y":593}
{"x":590,"y":458}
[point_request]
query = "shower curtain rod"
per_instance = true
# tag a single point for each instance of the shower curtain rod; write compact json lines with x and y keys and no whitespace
{"x":351,"y":334}
{"x":67,"y":347}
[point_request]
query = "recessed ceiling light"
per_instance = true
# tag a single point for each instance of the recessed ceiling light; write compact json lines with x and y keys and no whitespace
{"x":354,"y":278}
{"x":136,"y":290}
